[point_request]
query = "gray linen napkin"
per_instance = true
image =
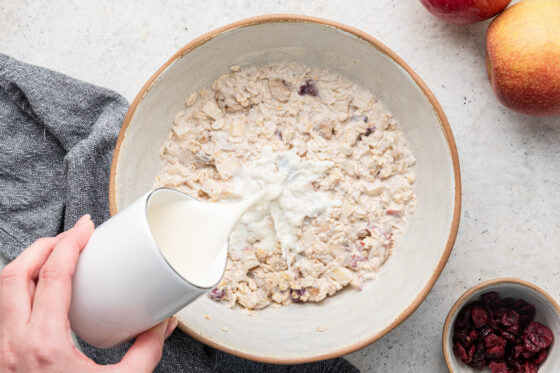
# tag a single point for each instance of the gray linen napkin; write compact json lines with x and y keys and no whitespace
{"x":57,"y":136}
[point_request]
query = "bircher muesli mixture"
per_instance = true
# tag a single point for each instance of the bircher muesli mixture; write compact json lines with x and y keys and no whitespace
{"x":338,"y":153}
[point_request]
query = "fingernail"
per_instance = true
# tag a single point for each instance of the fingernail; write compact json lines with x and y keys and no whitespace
{"x":82,"y":220}
{"x":171,"y":325}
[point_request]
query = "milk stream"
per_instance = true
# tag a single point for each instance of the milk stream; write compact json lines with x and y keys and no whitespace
{"x":191,"y":234}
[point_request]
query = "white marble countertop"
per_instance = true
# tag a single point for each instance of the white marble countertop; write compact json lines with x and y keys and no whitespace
{"x":509,"y":162}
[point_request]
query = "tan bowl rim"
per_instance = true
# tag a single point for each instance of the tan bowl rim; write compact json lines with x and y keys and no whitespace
{"x":469,"y":292}
{"x":271,"y":18}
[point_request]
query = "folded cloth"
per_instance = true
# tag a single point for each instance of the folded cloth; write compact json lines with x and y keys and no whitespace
{"x":57,"y":136}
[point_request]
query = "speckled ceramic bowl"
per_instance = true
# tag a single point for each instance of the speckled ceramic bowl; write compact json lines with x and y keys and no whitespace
{"x":352,"y":319}
{"x":548,"y":313}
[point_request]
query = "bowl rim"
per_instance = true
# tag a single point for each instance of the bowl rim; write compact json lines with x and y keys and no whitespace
{"x":438,"y":111}
{"x":469,"y":292}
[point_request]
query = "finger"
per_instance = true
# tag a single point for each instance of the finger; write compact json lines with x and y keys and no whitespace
{"x":171,"y":326}
{"x":79,"y":222}
{"x":17,"y":280}
{"x":82,"y":220}
{"x":145,"y":353}
{"x":54,"y":287}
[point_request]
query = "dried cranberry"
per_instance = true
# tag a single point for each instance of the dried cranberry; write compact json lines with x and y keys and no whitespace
{"x":529,"y":346}
{"x":369,"y":131}
{"x":499,"y":312}
{"x":500,"y":367}
{"x":216,"y":294}
{"x":278,"y":133}
{"x":494,"y":340}
{"x":308,"y":88}
{"x":495,"y":352}
{"x":529,"y":310}
{"x":540,"y":335}
{"x":517,"y":350}
{"x":491,"y":299}
{"x":479,"y":357}
{"x":510,"y":318}
{"x":526,"y":312}
{"x":479,"y":316}
{"x":463,"y":319}
{"x":492,"y":320}
{"x":513,"y":329}
{"x":296,"y":294}
{"x":519,"y":304}
{"x":507,"y":335}
{"x":461,"y":353}
{"x":495,"y":346}
{"x":397,"y":213}
{"x":471,"y":351}
{"x":542,"y":356}
{"x":525,"y":320}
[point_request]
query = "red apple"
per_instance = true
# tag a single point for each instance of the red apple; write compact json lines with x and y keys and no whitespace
{"x":463,"y":12}
{"x":523,"y":57}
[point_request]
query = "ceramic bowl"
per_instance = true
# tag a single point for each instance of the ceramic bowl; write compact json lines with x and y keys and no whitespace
{"x":548,"y":313}
{"x":353,"y":318}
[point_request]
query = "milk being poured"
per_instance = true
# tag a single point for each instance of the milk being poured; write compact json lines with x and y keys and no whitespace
{"x":278,"y":195}
{"x":191,"y":234}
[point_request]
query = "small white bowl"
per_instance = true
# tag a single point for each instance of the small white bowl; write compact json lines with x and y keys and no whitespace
{"x":350,"y":320}
{"x":548,"y":313}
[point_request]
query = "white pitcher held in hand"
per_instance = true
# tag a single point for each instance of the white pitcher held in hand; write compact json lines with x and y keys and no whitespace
{"x":151,"y":260}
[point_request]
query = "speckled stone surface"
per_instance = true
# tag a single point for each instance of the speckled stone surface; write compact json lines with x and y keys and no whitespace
{"x":510,"y":163}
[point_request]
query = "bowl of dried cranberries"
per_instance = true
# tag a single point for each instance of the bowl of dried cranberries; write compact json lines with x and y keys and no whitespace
{"x":503,"y":326}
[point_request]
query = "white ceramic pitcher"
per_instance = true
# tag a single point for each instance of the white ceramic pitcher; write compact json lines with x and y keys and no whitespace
{"x":123,"y":285}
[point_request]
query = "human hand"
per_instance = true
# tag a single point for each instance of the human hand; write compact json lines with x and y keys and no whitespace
{"x":35,"y":292}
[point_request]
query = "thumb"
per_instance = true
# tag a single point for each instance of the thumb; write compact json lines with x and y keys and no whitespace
{"x":145,"y":353}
